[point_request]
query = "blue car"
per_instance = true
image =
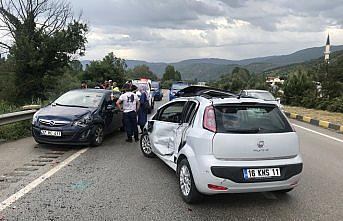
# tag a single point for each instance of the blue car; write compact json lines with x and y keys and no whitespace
{"x":175,"y":88}
{"x":157,"y":90}
{"x":78,"y":117}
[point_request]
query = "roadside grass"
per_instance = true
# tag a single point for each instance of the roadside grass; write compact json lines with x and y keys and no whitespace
{"x":333,"y":117}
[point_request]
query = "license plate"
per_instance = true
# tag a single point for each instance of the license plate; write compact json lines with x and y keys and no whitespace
{"x":261,"y":173}
{"x":51,"y":133}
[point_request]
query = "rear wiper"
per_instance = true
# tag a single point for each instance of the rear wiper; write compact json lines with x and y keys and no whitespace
{"x":65,"y":105}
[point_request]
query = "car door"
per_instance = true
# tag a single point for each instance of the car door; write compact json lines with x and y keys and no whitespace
{"x":180,"y":133}
{"x":161,"y":128}
{"x":109,"y":114}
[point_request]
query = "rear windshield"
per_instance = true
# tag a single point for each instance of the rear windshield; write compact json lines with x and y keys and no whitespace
{"x":250,"y":119}
{"x":155,"y":85}
{"x":142,"y":86}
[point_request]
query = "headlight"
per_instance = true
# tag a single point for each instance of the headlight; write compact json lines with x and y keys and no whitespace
{"x":84,"y":121}
{"x":35,"y":118}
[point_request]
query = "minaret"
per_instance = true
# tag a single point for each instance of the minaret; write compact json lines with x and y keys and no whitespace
{"x":327,"y":50}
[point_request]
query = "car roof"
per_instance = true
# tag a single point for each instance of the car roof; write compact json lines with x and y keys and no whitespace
{"x":102,"y":91}
{"x":240,"y":101}
{"x":256,"y":91}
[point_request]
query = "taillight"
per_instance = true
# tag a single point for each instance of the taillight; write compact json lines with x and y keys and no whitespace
{"x":215,"y":187}
{"x":209,"y":122}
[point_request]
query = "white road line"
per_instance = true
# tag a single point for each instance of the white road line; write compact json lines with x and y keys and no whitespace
{"x":324,"y":135}
{"x":39,"y":180}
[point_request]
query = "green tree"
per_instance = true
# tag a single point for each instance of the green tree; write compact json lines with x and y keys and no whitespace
{"x":141,"y":71}
{"x":235,"y":81}
{"x":7,"y":81}
{"x":171,"y":74}
{"x":298,"y":86}
{"x":109,"y":68}
{"x":45,"y":38}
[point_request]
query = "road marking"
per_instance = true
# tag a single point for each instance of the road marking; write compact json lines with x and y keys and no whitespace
{"x":10,"y":200}
{"x":324,"y":135}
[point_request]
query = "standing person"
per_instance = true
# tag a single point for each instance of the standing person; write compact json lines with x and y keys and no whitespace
{"x":84,"y":85}
{"x":129,"y":103}
{"x":132,"y":86}
{"x":115,"y":88}
{"x":143,"y":110}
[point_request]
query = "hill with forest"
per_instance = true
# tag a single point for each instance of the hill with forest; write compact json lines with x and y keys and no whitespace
{"x":210,"y":69}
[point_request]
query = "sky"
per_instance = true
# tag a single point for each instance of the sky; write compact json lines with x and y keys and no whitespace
{"x":175,"y":30}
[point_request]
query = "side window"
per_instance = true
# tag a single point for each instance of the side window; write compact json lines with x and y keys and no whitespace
{"x":172,"y":113}
{"x":108,"y":101}
{"x":189,"y":111}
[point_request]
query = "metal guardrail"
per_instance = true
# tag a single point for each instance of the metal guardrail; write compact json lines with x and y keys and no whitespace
{"x":16,"y":117}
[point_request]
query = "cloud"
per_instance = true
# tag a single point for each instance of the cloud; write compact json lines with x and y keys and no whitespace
{"x":171,"y":30}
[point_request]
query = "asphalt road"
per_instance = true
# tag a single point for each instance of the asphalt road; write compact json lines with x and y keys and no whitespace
{"x":115,"y":182}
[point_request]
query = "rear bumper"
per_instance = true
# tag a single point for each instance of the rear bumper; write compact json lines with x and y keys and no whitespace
{"x":80,"y":136}
{"x":229,"y":174}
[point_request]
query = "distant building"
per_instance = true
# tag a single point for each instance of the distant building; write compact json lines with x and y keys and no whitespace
{"x":327,"y":50}
{"x":274,"y":81}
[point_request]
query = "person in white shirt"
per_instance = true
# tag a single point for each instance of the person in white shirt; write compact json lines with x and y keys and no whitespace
{"x":129,"y":104}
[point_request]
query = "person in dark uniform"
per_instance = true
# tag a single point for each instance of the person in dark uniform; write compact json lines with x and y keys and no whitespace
{"x":143,"y":112}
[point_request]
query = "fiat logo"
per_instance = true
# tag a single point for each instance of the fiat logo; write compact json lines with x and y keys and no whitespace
{"x":52,"y":123}
{"x":260,"y":144}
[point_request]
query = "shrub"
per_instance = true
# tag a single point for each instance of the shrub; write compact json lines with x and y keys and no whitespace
{"x":16,"y":130}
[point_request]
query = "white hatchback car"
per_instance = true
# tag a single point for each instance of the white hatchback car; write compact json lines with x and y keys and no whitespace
{"x":220,"y":143}
{"x":264,"y":95}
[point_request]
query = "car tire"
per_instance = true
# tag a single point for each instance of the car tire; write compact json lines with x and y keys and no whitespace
{"x":283,"y":191}
{"x":187,"y":187}
{"x":98,"y":136}
{"x":146,"y":146}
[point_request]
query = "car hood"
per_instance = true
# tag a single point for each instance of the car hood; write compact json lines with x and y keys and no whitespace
{"x":63,"y":113}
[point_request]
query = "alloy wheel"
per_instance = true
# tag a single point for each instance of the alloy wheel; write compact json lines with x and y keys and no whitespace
{"x":146,"y":145}
{"x":99,"y":135}
{"x":185,"y":180}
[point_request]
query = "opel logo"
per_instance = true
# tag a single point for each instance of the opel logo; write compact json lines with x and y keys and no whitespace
{"x":260,"y":144}
{"x":52,"y":123}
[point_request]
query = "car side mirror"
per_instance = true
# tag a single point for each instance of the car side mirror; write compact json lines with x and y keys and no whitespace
{"x":278,"y":100}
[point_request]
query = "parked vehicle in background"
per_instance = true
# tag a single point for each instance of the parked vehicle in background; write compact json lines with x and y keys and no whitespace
{"x":78,"y":117}
{"x":176,"y":86}
{"x":145,"y":83}
{"x":218,"y":142}
{"x":156,"y":90}
{"x":264,"y":95}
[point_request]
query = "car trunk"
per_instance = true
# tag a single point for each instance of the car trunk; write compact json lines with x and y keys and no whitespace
{"x":255,"y":146}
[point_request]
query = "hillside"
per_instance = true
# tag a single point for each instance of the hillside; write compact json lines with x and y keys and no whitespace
{"x":207,"y":69}
{"x":336,"y":61}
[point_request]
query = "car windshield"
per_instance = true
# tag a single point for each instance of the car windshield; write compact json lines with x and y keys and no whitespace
{"x":250,"y":119}
{"x":179,"y":86}
{"x":80,"y":98}
{"x":262,"y":95}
